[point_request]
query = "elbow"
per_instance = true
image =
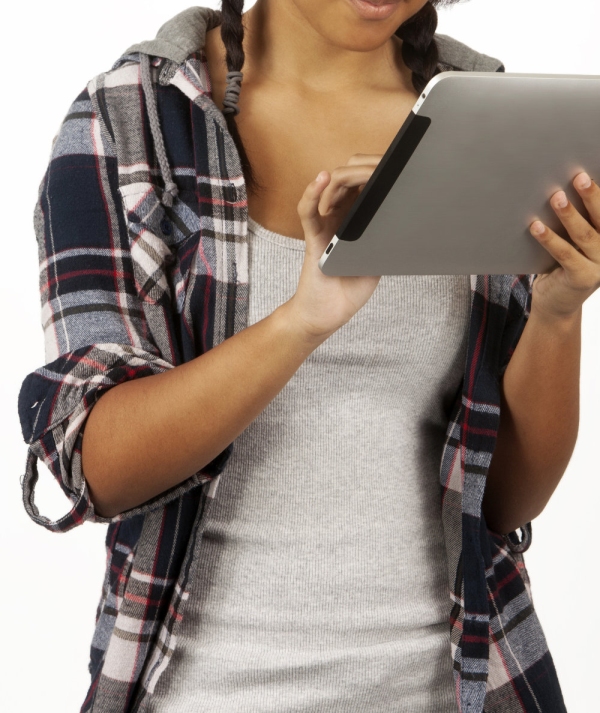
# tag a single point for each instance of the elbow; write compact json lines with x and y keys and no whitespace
{"x":506,"y":527}
{"x":100,"y":494}
{"x":504,"y":521}
{"x":101,"y":507}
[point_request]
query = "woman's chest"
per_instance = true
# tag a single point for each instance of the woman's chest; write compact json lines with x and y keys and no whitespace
{"x":290,"y":139}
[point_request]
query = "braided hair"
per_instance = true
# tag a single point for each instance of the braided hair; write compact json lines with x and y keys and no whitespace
{"x":419,"y":53}
{"x":419,"y":48}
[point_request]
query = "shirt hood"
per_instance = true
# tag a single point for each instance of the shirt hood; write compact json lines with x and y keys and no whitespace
{"x":181,"y":36}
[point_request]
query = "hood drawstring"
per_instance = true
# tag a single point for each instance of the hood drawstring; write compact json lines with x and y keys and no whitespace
{"x":171,"y":189}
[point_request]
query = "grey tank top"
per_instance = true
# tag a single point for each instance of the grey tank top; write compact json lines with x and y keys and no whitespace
{"x":310,"y":596}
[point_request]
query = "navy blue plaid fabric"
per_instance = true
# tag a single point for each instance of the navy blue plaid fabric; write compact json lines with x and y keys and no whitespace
{"x":130,"y":287}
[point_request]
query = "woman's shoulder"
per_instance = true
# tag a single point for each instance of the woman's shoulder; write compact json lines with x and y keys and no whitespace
{"x":462,"y":57}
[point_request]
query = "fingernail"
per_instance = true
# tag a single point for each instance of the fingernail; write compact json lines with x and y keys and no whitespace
{"x":584,"y":181}
{"x":560,"y":200}
{"x":320,"y":176}
{"x":537,"y":228}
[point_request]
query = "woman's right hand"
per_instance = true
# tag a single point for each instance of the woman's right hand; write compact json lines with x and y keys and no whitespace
{"x":323,"y":303}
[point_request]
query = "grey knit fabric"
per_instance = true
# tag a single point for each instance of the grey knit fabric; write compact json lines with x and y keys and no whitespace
{"x":308,"y":600}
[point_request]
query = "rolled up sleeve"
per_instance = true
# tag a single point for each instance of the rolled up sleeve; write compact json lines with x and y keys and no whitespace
{"x":54,"y":403}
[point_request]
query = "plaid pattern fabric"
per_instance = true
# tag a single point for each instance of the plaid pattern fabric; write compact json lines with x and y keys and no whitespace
{"x":130,"y":288}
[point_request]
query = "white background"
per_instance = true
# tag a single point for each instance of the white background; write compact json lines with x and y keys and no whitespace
{"x":52,"y":582}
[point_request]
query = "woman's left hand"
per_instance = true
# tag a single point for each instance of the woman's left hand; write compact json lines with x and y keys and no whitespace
{"x":562,"y":292}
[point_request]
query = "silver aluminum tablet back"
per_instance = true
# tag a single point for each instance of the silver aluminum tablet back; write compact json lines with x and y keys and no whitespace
{"x":472,"y":167}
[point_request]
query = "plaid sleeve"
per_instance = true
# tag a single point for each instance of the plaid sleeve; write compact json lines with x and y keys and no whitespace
{"x":519,"y":307}
{"x":96,"y":334}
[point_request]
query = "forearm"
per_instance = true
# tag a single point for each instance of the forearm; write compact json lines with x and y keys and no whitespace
{"x":539,"y":421}
{"x":146,"y":435}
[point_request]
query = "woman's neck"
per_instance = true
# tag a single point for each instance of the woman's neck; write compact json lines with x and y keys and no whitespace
{"x":282,"y":48}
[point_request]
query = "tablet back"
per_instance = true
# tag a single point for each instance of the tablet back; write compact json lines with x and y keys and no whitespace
{"x":472,"y":167}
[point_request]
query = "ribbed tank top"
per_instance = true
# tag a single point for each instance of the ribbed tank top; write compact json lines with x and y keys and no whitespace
{"x":322,"y":580}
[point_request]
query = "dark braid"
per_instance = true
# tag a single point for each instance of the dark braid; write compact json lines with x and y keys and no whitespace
{"x":419,"y":49}
{"x":419,"y":53}
{"x":232,"y":35}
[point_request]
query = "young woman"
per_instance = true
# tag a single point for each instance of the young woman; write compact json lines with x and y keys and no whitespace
{"x":350,"y":561}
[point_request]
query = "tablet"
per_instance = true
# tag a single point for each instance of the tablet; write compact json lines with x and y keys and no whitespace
{"x":473,"y":165}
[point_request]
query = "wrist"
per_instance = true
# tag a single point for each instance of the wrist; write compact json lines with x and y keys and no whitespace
{"x":557,"y":322}
{"x":296,"y":328}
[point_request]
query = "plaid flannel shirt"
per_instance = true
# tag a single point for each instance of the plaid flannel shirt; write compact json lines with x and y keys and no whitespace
{"x":131,"y":287}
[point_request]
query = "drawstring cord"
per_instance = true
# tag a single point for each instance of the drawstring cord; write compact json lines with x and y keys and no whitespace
{"x":171,"y":189}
